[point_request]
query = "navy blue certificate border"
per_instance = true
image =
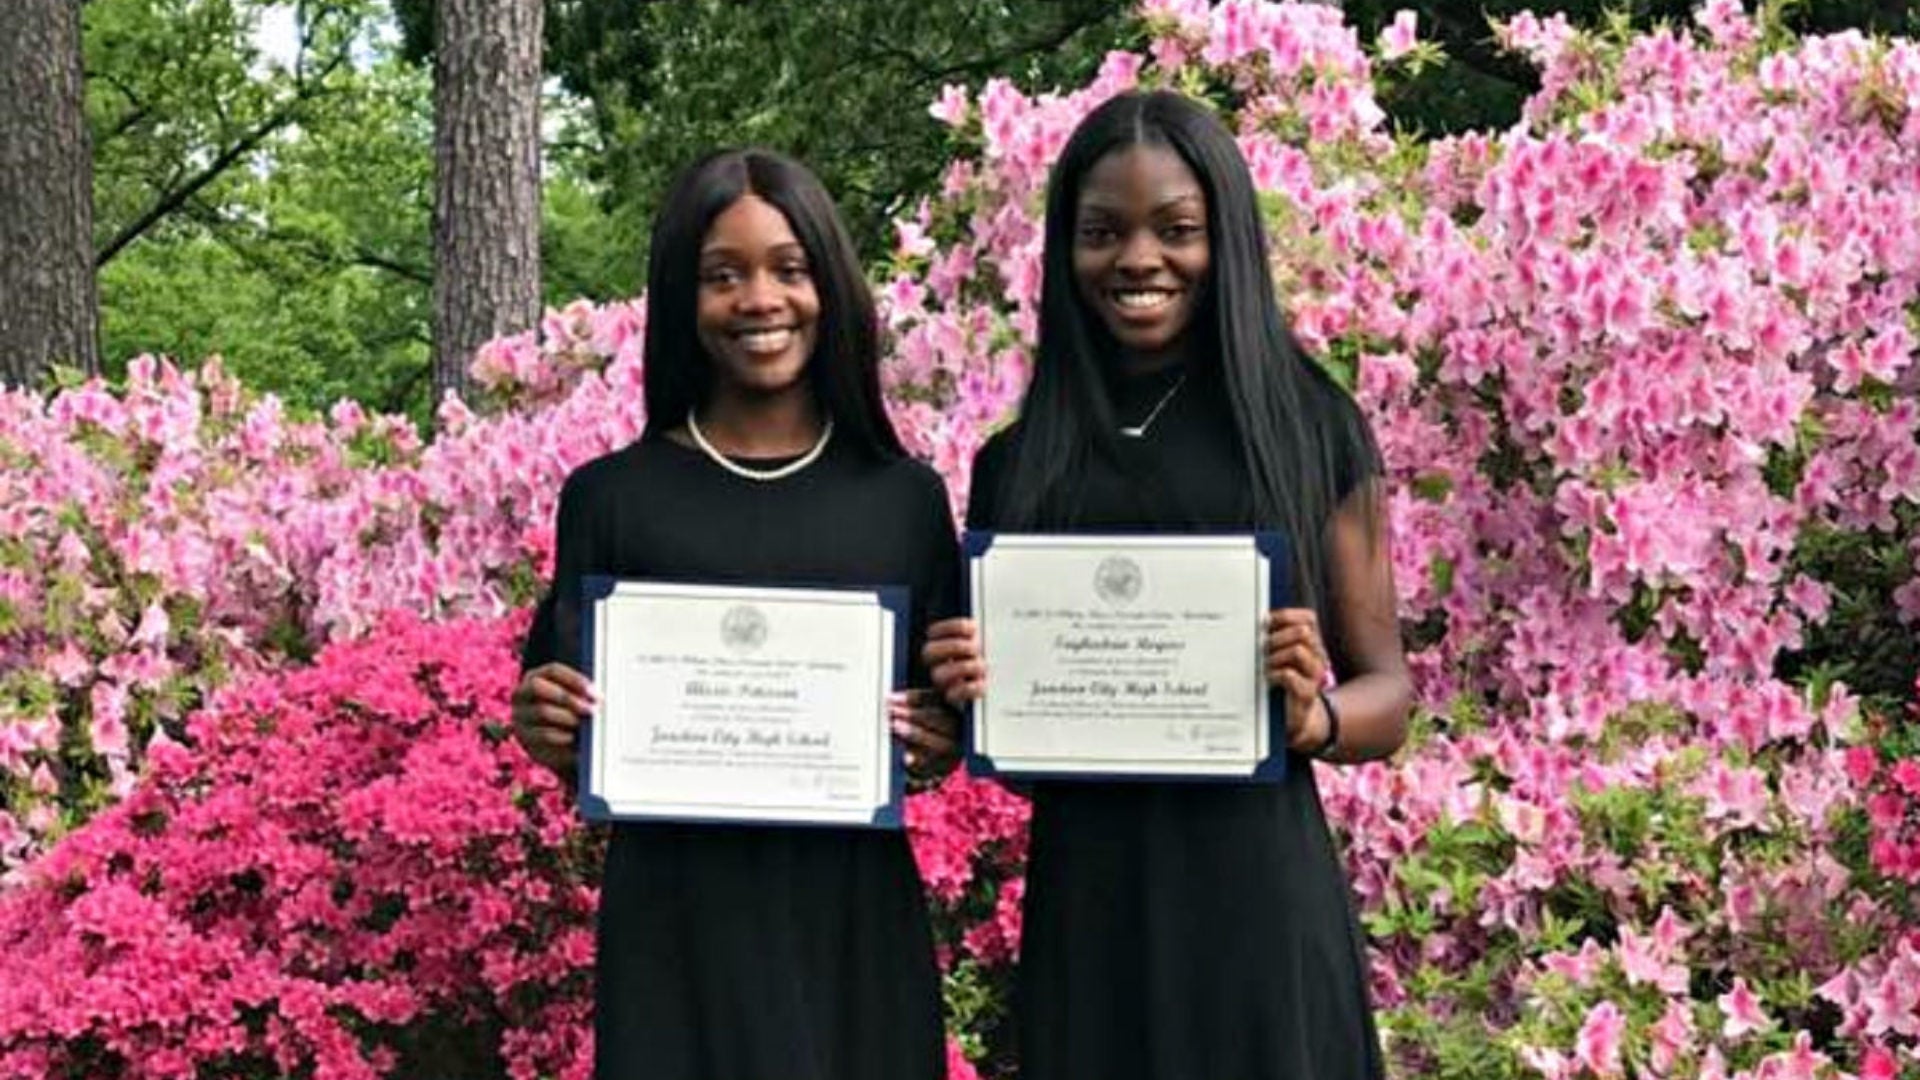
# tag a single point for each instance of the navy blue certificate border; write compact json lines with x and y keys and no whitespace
{"x":974,"y":545}
{"x":896,"y":599}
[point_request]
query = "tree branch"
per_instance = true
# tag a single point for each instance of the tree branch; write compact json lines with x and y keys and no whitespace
{"x":927,"y":72}
{"x":1059,"y":36}
{"x":219,"y":226}
{"x":177,"y":196}
{"x":138,"y":109}
{"x":363,"y":256}
{"x":127,"y":123}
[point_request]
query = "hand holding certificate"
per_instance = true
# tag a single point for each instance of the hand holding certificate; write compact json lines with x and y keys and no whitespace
{"x":742,"y":704}
{"x":1126,"y":656}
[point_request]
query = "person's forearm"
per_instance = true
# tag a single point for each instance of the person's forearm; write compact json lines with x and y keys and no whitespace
{"x":1373,"y":712}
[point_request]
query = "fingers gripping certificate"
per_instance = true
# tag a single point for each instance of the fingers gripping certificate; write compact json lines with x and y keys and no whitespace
{"x":1126,"y":656}
{"x":742,"y":704}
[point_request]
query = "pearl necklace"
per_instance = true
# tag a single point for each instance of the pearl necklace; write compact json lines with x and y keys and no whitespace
{"x":737,"y":469}
{"x":1138,"y":431}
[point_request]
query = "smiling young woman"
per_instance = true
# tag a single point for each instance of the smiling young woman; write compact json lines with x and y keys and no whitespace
{"x":751,"y":952}
{"x":1192,"y":929}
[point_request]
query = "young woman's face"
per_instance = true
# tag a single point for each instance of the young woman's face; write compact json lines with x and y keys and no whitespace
{"x":1140,"y":247}
{"x":757,"y":314}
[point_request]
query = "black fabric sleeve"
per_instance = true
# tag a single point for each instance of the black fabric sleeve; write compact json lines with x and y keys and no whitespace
{"x":1353,"y":457}
{"x":937,"y":590}
{"x":983,"y":489}
{"x":555,"y":633}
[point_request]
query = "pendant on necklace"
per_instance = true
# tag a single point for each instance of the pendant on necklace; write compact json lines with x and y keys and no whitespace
{"x":1139,"y":431}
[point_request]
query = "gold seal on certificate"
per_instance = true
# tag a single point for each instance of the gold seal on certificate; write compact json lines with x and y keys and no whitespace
{"x":740,"y":704}
{"x":1125,"y":656}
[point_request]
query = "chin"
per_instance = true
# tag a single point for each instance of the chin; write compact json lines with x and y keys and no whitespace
{"x":772,"y":378}
{"x":1135,"y":341}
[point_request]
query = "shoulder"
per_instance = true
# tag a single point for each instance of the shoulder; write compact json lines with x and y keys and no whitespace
{"x":989,"y":475}
{"x":907,"y":477}
{"x":992,"y":456}
{"x":595,"y":478}
{"x":1325,"y":393}
{"x":1350,"y":449}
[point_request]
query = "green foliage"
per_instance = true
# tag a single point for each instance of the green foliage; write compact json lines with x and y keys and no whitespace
{"x":306,"y":263}
{"x":975,"y":999}
{"x":1481,"y":88}
{"x":278,"y":214}
{"x":1670,"y":854}
{"x":1863,"y":643}
{"x":175,"y":87}
{"x":259,"y":208}
{"x":843,"y":86}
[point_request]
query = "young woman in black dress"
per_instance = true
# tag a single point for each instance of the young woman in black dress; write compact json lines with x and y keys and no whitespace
{"x":1179,"y":930}
{"x":737,"y":952}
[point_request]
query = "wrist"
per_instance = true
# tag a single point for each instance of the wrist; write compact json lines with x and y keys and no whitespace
{"x":1329,"y":747}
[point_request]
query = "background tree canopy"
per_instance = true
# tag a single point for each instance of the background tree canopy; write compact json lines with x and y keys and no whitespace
{"x":275,"y":214}
{"x":844,"y":86}
{"x":278,"y":213}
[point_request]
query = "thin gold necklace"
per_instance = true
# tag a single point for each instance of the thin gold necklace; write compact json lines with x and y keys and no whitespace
{"x":1139,"y":431}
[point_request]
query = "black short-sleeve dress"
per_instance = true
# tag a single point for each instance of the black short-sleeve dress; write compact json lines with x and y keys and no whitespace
{"x":746,"y":952}
{"x":1183,"y":931}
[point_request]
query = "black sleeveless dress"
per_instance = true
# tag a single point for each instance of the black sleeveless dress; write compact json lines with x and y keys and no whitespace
{"x":745,"y":952}
{"x":1183,"y":931}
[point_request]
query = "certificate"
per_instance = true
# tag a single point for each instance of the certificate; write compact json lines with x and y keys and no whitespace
{"x":725,"y":703}
{"x":1127,"y":656}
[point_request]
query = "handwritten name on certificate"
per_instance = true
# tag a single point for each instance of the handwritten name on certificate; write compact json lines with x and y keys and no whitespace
{"x":1123,"y":656}
{"x":741,"y":704}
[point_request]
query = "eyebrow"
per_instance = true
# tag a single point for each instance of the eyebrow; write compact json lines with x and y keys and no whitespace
{"x":787,"y":247}
{"x":1168,"y":203}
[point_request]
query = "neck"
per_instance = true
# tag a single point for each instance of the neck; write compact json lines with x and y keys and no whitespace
{"x":1136,"y":365}
{"x":754,"y":425}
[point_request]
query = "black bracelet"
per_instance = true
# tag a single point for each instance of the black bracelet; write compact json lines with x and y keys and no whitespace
{"x":1325,"y":752}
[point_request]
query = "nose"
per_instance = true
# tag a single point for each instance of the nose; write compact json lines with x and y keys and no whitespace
{"x":1139,"y":253}
{"x":759,"y":293}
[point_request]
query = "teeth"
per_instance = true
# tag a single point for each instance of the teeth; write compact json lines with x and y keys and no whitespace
{"x":1142,"y":299}
{"x":766,"y":341}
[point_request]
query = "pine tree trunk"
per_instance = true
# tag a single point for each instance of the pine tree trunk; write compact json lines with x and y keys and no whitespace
{"x":486,"y":213}
{"x":49,"y":311}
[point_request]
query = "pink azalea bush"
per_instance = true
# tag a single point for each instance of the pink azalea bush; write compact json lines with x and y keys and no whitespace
{"x":140,"y":564}
{"x":1626,"y":361}
{"x":970,"y":839}
{"x":351,"y":856}
{"x":156,"y":541}
{"x":1888,"y":770}
{"x":1634,"y":364}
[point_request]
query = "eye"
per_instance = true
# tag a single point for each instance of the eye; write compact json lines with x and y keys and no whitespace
{"x":1094,"y":232}
{"x":793,"y":273}
{"x":1183,"y":231}
{"x":719,"y":275}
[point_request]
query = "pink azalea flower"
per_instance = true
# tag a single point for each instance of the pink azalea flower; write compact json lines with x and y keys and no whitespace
{"x":1398,"y":38}
{"x":1879,"y":1064}
{"x":1742,"y":1010}
{"x":1597,"y":1047}
{"x":951,"y":108}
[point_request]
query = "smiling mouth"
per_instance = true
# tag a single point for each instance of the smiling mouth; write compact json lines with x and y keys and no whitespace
{"x":765,"y":341}
{"x":1141,"y":301}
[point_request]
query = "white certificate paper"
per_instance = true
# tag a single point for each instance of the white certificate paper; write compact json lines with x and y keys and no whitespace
{"x":739,"y":704}
{"x":1124,"y":656}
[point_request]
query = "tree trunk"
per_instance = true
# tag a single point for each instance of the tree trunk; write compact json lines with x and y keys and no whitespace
{"x":49,"y":311}
{"x":486,"y":212}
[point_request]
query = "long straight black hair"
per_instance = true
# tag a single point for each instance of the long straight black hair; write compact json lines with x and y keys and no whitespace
{"x":1302,"y":434}
{"x":844,"y":370}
